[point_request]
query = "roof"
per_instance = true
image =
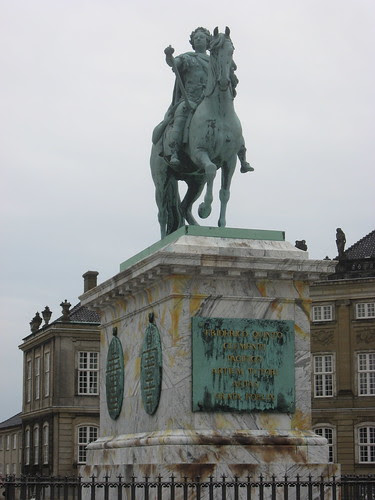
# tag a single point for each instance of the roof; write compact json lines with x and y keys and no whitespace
{"x":81,"y":314}
{"x":12,"y":421}
{"x":363,"y":249}
{"x":357,"y":261}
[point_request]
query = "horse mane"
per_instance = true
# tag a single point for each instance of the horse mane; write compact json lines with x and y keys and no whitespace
{"x":217,"y":42}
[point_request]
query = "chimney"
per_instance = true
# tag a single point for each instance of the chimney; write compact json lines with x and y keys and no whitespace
{"x":90,"y":280}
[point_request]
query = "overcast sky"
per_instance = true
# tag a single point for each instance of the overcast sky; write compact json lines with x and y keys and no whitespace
{"x":82,"y":85}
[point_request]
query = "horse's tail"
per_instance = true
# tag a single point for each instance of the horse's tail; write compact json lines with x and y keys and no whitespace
{"x":173,"y":206}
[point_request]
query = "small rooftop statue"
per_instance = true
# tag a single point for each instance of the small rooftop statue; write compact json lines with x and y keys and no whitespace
{"x":65,"y":310}
{"x":200,"y":132}
{"x":340,"y":242}
{"x":301,"y":245}
{"x":47,"y":313}
{"x":35,"y":323}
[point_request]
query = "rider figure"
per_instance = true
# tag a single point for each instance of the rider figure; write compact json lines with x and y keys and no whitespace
{"x":193,"y":70}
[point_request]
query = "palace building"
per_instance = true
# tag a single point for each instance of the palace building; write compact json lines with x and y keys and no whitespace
{"x":60,"y":409}
{"x":343,"y":358}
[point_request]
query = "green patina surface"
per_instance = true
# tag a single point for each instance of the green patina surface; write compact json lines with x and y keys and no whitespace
{"x":114,"y":380}
{"x":215,"y":232}
{"x":151,"y":369}
{"x":243,"y":365}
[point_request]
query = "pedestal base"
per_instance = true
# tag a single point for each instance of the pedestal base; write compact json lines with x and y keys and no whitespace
{"x":214,"y":276}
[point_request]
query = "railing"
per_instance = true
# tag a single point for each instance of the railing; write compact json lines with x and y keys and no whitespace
{"x":261,"y":488}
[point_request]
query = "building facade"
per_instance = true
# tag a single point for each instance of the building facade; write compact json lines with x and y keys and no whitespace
{"x":60,"y":409}
{"x":11,"y":445}
{"x":343,"y":358}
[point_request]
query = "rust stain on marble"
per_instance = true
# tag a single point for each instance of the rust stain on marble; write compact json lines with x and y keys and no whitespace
{"x":162,"y":316}
{"x":178,"y":284}
{"x":305,"y":306}
{"x":175,"y":319}
{"x":277,"y":307}
{"x":149,"y":295}
{"x":195,"y":303}
{"x":221,"y":422}
{"x":262,"y":287}
{"x":138,"y":367}
{"x":301,"y":421}
{"x":269,"y":423}
{"x":301,"y":333}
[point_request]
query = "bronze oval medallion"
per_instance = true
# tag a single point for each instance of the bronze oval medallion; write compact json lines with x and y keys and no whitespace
{"x":151,"y":368}
{"x":114,"y":380}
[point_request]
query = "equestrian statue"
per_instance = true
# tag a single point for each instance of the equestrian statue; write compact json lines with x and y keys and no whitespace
{"x":200,"y":132}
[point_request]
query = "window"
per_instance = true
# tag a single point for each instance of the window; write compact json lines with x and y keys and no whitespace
{"x":28,"y":381}
{"x":366,"y":444}
{"x":323,"y":375}
{"x":1,"y":442}
{"x":8,"y":442}
{"x":14,"y":441}
{"x":327,"y":432}
{"x":46,"y":373}
{"x":37,"y":377}
{"x":88,"y":369}
{"x":27,"y":446}
{"x":322,"y":313}
{"x":36,"y":444}
{"x":365,"y":310}
{"x":366,"y":374}
{"x":45,"y":443}
{"x":86,"y":435}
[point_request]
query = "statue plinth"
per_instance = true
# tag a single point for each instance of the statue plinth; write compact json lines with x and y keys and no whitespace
{"x":232,"y":310}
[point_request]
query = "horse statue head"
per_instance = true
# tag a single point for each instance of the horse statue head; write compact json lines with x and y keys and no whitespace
{"x":222,"y":65}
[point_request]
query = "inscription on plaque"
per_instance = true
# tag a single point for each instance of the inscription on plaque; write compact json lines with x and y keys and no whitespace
{"x":151,"y":368}
{"x":243,"y":365}
{"x":114,"y":380}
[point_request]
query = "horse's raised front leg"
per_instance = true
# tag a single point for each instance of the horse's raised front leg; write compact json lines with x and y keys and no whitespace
{"x":195,"y":187}
{"x":202,"y":160}
{"x":224,"y":194}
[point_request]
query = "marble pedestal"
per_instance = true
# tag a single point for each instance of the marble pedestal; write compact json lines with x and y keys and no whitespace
{"x":212,"y":273}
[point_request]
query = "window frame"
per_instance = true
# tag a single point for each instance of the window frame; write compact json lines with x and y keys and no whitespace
{"x":370,"y":446}
{"x":324,"y":375}
{"x":36,"y":439}
{"x":331,"y":445}
{"x":87,"y":375}
{"x":82,"y":444}
{"x":45,"y":443}
{"x":37,"y":377}
{"x":27,"y":445}
{"x":369,"y":310}
{"x":46,"y":373}
{"x":28,"y":379}
{"x":369,"y":374}
{"x":321,"y":307}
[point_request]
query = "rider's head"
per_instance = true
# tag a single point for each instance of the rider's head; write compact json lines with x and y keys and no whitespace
{"x":196,"y":34}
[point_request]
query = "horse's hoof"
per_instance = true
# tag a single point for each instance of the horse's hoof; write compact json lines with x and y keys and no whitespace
{"x":221,"y":223}
{"x":204,"y":211}
{"x":246,"y":167}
